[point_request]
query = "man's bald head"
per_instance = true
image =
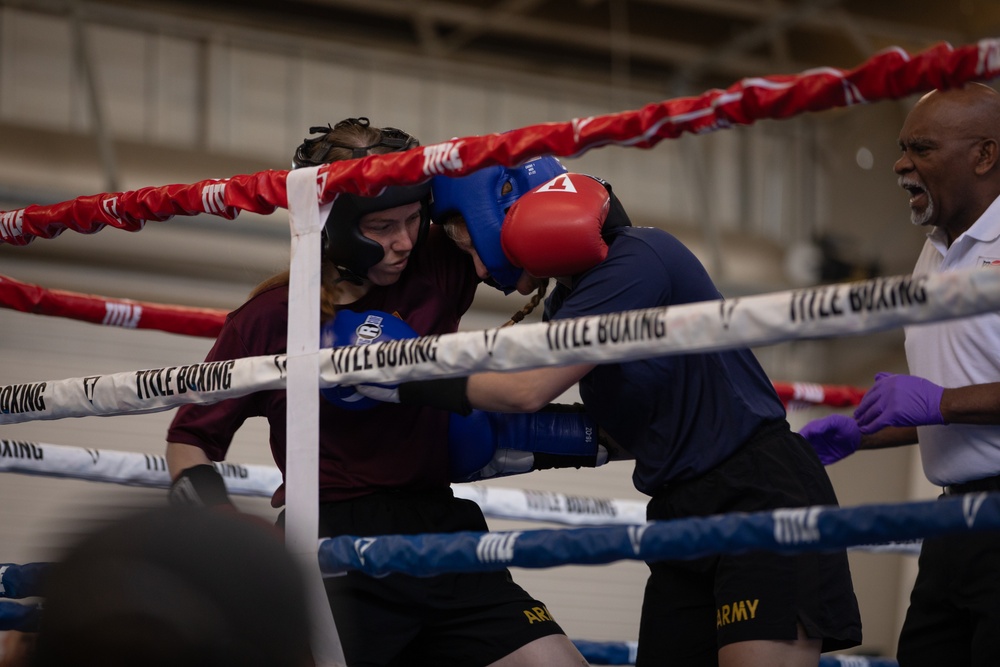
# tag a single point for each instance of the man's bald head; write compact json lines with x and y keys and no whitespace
{"x":951,"y":156}
{"x":973,"y":108}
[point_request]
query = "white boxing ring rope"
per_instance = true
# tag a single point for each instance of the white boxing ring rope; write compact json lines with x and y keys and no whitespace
{"x":206,"y":322}
{"x":890,"y":74}
{"x":852,"y":308}
{"x":146,"y":470}
{"x":150,"y":471}
{"x":133,"y":469}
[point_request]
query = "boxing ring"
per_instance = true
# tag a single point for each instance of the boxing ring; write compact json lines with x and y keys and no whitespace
{"x":829,"y":310}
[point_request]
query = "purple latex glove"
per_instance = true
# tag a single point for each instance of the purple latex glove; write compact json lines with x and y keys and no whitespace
{"x":832,"y":437}
{"x":899,"y":400}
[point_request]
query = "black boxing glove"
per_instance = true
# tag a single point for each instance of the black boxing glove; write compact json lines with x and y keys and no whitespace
{"x":199,"y":486}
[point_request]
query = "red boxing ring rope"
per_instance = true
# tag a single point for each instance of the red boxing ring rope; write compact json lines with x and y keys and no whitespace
{"x":890,"y":74}
{"x":125,"y":313}
{"x":804,"y":394}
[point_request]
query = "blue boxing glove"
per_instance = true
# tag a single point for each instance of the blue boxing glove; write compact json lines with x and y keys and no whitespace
{"x":492,"y":444}
{"x":833,"y":438}
{"x":899,"y":400}
{"x":350,"y":328}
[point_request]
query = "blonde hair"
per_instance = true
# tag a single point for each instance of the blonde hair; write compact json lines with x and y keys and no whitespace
{"x":528,"y":307}
{"x":458,"y":231}
{"x":329,"y":288}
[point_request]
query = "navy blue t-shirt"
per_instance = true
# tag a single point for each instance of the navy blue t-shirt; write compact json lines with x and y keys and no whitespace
{"x":679,"y":415}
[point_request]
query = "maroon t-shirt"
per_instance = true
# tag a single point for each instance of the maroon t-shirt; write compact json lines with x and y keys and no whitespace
{"x":388,"y":446}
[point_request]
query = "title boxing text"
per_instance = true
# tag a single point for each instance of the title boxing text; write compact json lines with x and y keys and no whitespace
{"x":20,"y":398}
{"x":19,"y":449}
{"x":871,"y":296}
{"x":610,"y":328}
{"x":389,"y":354}
{"x":211,"y":376}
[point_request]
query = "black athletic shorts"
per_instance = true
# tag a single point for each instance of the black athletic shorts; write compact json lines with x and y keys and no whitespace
{"x":954,"y":613}
{"x":457,"y":620}
{"x":692,"y":608}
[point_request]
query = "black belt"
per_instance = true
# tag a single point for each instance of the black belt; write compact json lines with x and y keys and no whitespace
{"x":975,"y":486}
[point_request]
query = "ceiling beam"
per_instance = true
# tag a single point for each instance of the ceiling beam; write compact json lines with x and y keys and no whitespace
{"x":444,"y":29}
{"x":596,"y":40}
{"x":508,"y":18}
{"x":466,"y":34}
{"x":889,"y":30}
{"x":776,"y":25}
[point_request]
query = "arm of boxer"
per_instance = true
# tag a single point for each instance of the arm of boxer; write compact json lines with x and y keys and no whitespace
{"x":523,"y":391}
{"x":555,"y":230}
{"x":490,"y":444}
{"x":445,"y":394}
{"x":180,"y":457}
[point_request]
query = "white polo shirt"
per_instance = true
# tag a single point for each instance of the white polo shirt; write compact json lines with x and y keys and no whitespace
{"x":956,"y":353}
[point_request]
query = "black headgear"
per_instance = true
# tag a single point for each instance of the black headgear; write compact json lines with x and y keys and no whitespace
{"x":343,"y":242}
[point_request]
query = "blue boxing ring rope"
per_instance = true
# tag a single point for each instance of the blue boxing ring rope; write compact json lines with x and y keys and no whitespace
{"x":784,"y":531}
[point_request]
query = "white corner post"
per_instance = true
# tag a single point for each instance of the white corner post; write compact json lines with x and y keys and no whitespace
{"x":302,"y":459}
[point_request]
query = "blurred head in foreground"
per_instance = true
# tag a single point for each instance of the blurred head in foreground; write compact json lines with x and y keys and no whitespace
{"x":176,"y":587}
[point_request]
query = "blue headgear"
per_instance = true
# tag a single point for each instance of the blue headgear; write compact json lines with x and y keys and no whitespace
{"x":480,"y":200}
